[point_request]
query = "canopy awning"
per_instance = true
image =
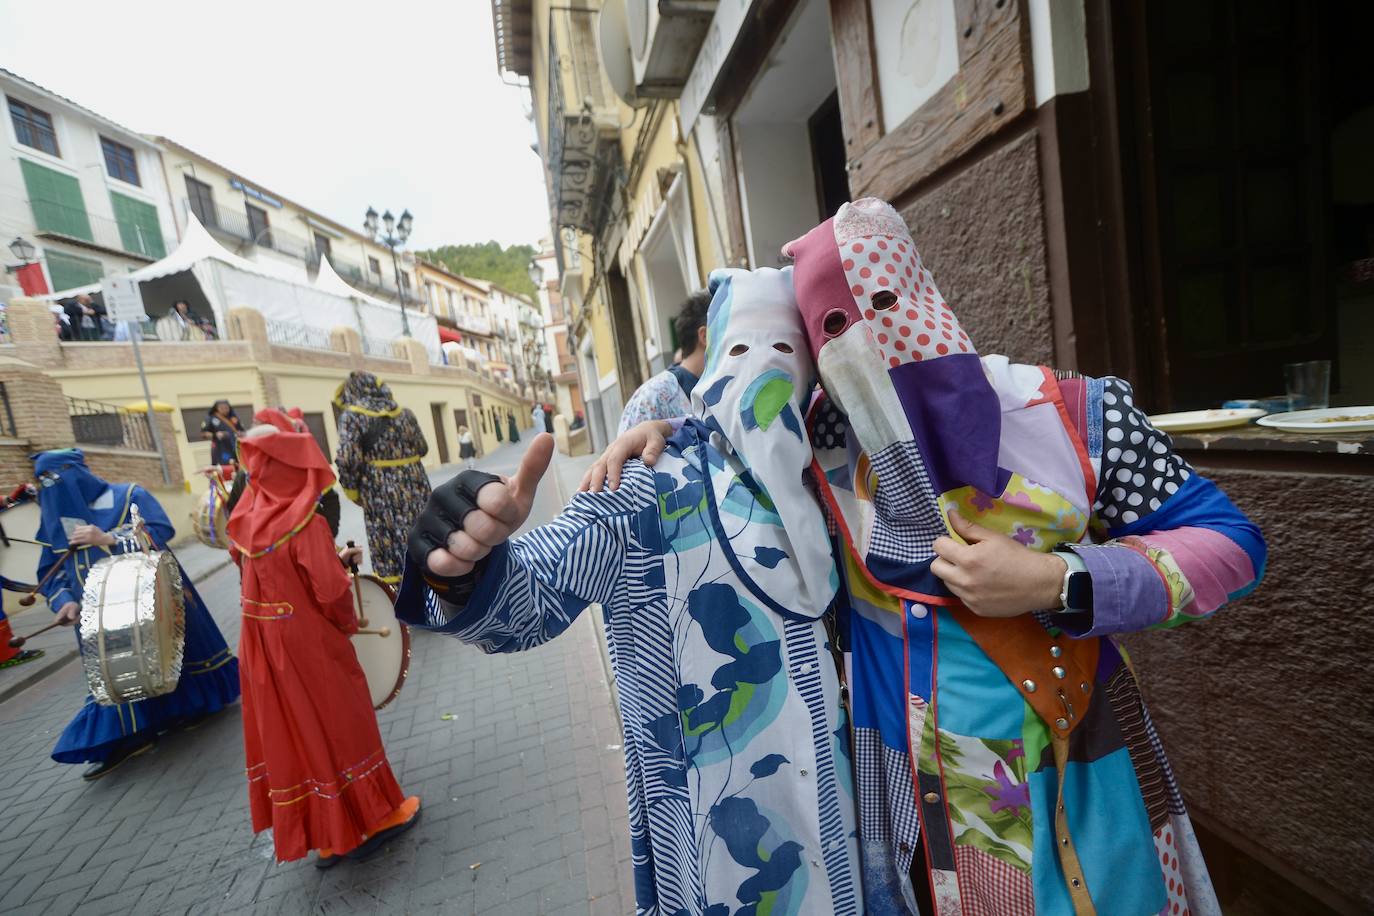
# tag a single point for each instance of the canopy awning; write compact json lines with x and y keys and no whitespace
{"x":448,"y":335}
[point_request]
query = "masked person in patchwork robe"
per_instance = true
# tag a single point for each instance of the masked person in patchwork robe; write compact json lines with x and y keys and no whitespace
{"x":1004,"y":522}
{"x":381,"y":447}
{"x":318,"y":774}
{"x":79,"y":511}
{"x":715,"y":574}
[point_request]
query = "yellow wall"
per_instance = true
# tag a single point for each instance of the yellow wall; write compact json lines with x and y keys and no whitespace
{"x":309,"y":388}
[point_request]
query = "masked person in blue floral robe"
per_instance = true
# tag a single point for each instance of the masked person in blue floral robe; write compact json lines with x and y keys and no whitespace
{"x":715,"y":573}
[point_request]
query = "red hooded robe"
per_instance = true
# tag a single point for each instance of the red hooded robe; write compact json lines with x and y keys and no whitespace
{"x":317,"y":772}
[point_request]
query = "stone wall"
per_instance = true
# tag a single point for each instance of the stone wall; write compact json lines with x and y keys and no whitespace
{"x":1266,"y":709}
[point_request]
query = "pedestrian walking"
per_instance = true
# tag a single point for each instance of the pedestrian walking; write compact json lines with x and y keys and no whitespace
{"x":511,"y":428}
{"x":222,"y":427}
{"x":380,"y":450}
{"x":70,"y":496}
{"x":318,"y":775}
{"x":467,"y":448}
{"x":715,"y":574}
{"x":537,"y":417}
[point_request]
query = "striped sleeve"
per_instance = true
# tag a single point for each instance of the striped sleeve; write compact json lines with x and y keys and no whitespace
{"x":534,"y":586}
{"x":1176,"y":547}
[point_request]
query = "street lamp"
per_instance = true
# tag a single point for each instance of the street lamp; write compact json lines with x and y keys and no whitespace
{"x":23,"y":249}
{"x":393,"y":237}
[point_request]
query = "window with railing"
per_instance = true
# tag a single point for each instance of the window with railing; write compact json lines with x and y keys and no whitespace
{"x":201,"y":200}
{"x":98,"y":423}
{"x":56,"y":201}
{"x":259,"y":229}
{"x":33,"y":127}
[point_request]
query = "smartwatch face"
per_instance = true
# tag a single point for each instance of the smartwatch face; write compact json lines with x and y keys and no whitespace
{"x":1080,"y":592}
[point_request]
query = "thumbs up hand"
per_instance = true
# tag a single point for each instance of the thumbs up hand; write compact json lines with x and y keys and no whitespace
{"x":469,"y":515}
{"x":995,"y":576}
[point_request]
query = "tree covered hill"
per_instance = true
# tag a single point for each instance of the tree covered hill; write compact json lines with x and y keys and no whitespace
{"x":506,"y":267}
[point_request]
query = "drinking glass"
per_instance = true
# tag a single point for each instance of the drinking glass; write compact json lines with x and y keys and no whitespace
{"x":1309,"y":384}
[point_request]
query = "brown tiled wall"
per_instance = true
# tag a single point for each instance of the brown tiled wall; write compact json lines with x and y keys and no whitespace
{"x":1266,"y":709}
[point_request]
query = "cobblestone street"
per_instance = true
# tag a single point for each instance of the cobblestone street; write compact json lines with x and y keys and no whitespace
{"x":522,"y":789}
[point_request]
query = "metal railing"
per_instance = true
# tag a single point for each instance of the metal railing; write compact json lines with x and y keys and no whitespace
{"x":226,"y":222}
{"x":58,"y":220}
{"x":7,"y":427}
{"x":290,"y":334}
{"x":98,"y":423}
{"x":378,"y":348}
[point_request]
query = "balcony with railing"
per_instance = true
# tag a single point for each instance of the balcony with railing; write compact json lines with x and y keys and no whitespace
{"x":583,"y":124}
{"x":74,"y":224}
{"x":98,"y":423}
{"x":234,"y":226}
{"x":291,"y":334}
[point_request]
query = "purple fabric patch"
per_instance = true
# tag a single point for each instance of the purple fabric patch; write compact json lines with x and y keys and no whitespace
{"x":1108,"y":660}
{"x":1128,"y":594}
{"x":957,"y":420}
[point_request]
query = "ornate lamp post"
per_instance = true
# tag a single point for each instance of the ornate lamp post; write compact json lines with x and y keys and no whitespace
{"x":393,"y":237}
{"x":22,"y":249}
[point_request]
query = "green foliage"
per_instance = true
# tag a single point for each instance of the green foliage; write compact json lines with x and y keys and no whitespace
{"x":506,"y":267}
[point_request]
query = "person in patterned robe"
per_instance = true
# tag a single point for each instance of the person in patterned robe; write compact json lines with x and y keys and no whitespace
{"x":1003,"y":523}
{"x":379,"y":459}
{"x":715,"y":575}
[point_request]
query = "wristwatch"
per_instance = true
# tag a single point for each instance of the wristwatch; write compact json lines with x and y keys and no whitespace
{"x":1077,"y":591}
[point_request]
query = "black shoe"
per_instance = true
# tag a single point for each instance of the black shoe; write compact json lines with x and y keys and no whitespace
{"x":27,"y":655}
{"x":377,"y":841}
{"x":97,"y":770}
{"x":323,"y":863}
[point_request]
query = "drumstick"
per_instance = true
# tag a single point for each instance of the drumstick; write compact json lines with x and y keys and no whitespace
{"x":29,"y":599}
{"x":383,"y":632}
{"x":17,"y":641}
{"x":357,"y":590}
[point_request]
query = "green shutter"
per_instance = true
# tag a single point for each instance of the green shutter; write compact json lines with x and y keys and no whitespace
{"x":56,"y":201}
{"x":69,"y":272}
{"x":138,"y":226}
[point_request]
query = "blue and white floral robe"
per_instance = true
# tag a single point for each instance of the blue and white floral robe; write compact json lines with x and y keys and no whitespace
{"x":736,"y":755}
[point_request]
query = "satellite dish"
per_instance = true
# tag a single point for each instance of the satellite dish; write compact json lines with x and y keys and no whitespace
{"x":613,"y":42}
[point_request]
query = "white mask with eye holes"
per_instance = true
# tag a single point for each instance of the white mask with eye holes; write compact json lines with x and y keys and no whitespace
{"x":753,"y":394}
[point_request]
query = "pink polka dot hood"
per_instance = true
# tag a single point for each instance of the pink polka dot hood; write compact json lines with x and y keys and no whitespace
{"x":890,"y":352}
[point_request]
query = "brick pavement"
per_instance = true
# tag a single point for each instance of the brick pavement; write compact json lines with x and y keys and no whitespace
{"x":524,"y":802}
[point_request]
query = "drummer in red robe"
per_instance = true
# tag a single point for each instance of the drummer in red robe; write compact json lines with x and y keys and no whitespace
{"x":317,"y":772}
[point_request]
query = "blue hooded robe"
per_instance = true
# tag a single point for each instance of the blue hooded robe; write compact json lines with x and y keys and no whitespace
{"x":209,"y":671}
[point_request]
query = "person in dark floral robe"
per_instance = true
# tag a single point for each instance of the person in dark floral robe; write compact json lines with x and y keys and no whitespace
{"x":380,"y":450}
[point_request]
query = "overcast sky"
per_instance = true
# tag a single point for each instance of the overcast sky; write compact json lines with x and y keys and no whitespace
{"x":336,"y":106}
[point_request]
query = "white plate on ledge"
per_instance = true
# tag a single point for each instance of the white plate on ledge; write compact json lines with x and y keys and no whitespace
{"x":1324,"y":420}
{"x":1216,"y":418}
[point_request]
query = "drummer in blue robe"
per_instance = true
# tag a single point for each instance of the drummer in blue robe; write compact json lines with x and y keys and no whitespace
{"x":106,"y":736}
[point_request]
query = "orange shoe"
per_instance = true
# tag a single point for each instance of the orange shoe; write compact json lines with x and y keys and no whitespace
{"x":406,"y":815}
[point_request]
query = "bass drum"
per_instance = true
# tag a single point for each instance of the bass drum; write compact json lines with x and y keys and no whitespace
{"x":211,"y":518}
{"x":19,"y":558}
{"x":133,"y":627}
{"x":385,"y":660}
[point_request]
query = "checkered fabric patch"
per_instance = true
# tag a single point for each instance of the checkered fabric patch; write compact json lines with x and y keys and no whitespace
{"x":992,"y":887}
{"x":887,"y":801}
{"x":906,"y":516}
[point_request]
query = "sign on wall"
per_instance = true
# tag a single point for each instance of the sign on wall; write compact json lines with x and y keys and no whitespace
{"x":123,"y":298}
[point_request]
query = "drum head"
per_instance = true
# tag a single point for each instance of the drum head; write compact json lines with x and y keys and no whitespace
{"x":212,"y":519}
{"x":385,"y":660}
{"x":19,"y":561}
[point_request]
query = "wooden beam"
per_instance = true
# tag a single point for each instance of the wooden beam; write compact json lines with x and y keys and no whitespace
{"x":851,"y":32}
{"x":991,"y":89}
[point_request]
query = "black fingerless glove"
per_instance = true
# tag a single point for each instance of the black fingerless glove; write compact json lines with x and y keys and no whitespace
{"x":443,"y":514}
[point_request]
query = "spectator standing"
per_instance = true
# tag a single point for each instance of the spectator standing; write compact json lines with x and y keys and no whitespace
{"x":668,"y":395}
{"x":179,"y":325}
{"x":223,"y":428}
{"x":538,"y":416}
{"x":467,"y":449}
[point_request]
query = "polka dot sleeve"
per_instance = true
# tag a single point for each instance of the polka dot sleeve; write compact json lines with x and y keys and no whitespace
{"x":1140,"y":470}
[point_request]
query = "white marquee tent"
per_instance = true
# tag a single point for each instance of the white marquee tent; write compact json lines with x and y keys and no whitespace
{"x":281,"y":294}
